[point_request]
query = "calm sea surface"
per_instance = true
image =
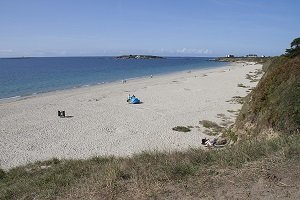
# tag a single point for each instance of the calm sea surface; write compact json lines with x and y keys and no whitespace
{"x":27,"y":76}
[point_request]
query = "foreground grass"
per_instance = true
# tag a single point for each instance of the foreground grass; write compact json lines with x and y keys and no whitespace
{"x":146,"y":175}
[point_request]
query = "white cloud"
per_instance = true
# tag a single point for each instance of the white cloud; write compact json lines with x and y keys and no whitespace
{"x":183,"y":50}
{"x":6,"y":50}
{"x":193,"y":51}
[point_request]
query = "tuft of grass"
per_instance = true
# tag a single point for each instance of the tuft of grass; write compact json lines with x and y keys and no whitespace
{"x":242,"y":85}
{"x":226,"y":123}
{"x":254,"y":77}
{"x":2,"y":174}
{"x":181,"y":129}
{"x":231,"y":135}
{"x":292,"y":151}
{"x":181,"y":170}
{"x":238,"y":99}
{"x":102,"y":159}
{"x":53,"y":161}
{"x":209,"y":124}
{"x":210,"y":132}
{"x":212,"y":127}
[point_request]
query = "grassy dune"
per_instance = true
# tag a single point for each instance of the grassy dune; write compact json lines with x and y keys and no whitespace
{"x":274,"y":104}
{"x":195,"y":173}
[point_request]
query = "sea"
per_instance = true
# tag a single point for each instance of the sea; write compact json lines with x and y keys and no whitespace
{"x":28,"y":76}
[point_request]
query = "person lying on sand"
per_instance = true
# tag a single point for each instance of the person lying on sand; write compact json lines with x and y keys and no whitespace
{"x":214,"y":142}
{"x":209,"y":143}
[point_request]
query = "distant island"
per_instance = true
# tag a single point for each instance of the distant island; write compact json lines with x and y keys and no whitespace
{"x":138,"y":57}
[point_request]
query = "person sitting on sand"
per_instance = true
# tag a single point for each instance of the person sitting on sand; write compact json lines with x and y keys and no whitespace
{"x":128,"y":98}
{"x":204,"y":141}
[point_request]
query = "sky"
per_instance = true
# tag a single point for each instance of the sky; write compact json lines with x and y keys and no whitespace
{"x":204,"y":28}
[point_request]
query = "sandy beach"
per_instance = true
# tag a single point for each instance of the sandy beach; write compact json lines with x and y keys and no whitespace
{"x":100,"y":122}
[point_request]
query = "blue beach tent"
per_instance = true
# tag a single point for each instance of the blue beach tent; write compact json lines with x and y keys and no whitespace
{"x":133,"y":100}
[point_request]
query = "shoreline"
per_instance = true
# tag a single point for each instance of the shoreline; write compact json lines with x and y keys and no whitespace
{"x":101,"y":122}
{"x":139,"y":78}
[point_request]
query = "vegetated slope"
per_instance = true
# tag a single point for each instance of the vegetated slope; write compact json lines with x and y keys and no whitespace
{"x":274,"y":105}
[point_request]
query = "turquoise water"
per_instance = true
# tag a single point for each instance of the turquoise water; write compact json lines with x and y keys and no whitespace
{"x":27,"y":76}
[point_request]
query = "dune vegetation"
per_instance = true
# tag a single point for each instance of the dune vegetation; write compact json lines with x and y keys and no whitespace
{"x":150,"y":175}
{"x":274,"y":105}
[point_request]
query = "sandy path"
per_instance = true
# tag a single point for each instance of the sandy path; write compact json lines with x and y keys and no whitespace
{"x":104,"y":124}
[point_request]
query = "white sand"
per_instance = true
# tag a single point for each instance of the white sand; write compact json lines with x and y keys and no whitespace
{"x":105,"y":124}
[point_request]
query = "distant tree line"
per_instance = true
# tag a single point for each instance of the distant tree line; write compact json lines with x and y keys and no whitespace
{"x":295,"y":48}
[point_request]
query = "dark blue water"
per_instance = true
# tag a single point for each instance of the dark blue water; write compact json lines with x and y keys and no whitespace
{"x":26,"y":76}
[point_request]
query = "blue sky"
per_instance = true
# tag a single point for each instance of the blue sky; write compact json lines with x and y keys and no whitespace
{"x":159,"y":27}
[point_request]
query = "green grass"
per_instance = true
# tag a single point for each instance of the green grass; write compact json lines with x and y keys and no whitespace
{"x":232,"y":111}
{"x":252,"y":78}
{"x":144,"y":173}
{"x":230,"y":135}
{"x":181,"y":129}
{"x":2,"y":174}
{"x":210,"y":124}
{"x":242,"y":85}
{"x":213,"y":128}
{"x":237,"y":99}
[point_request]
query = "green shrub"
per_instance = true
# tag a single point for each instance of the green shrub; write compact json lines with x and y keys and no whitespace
{"x":181,"y":170}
